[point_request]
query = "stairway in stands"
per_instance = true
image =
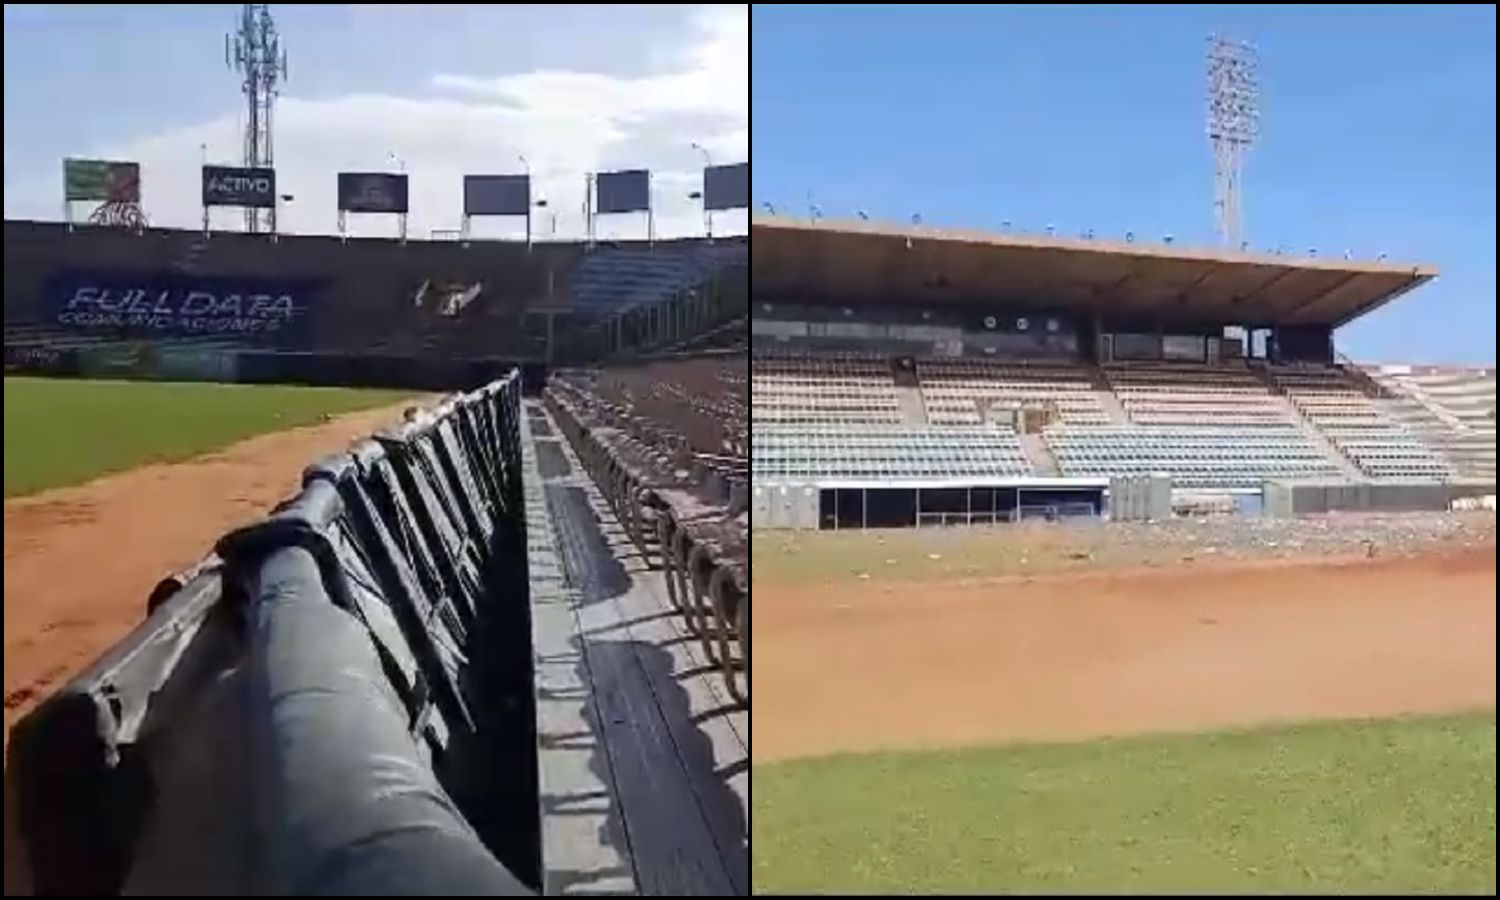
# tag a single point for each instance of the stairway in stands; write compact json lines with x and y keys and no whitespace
{"x":1105,"y":393}
{"x":1450,"y":418}
{"x":908,"y":392}
{"x":1309,"y":429}
{"x":1040,"y":455}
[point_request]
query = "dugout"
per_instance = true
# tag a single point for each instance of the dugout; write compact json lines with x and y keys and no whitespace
{"x":919,"y":504}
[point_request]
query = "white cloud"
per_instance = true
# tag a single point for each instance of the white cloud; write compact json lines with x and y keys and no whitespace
{"x":566,"y":123}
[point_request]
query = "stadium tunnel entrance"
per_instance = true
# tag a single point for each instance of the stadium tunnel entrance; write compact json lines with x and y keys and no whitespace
{"x":919,"y":506}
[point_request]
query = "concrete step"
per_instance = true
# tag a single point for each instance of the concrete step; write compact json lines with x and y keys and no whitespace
{"x":1319,"y":439}
{"x":913,"y":408}
{"x":1104,"y":392}
{"x":1040,"y":455}
{"x":908,"y":393}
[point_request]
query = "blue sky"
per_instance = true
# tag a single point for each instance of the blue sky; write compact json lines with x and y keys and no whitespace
{"x":1378,"y":134}
{"x":448,"y":89}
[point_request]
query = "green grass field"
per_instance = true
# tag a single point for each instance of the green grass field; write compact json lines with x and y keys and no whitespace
{"x":61,"y":432}
{"x":1386,"y":805}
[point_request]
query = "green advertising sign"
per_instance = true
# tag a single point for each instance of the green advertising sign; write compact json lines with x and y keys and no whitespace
{"x":98,"y":179}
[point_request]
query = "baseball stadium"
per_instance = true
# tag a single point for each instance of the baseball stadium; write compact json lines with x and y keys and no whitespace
{"x":466,"y":519}
{"x":1054,"y":535}
{"x":358,"y":565}
{"x":1102,"y":544}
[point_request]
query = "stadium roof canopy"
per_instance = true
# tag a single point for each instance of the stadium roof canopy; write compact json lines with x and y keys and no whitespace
{"x":866,"y":262}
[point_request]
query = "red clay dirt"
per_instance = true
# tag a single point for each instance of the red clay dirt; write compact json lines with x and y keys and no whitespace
{"x":858,"y":666}
{"x":80,"y":561}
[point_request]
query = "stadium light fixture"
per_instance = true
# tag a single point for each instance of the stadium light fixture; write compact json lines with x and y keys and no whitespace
{"x":1233,"y":126}
{"x":708,"y":215}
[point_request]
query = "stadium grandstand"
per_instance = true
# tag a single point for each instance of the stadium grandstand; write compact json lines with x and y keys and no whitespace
{"x":907,"y":376}
{"x":165,"y":303}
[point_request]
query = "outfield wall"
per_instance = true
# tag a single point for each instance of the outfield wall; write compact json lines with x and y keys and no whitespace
{"x":1283,"y":499}
{"x":338,"y":700}
{"x":157,"y":361}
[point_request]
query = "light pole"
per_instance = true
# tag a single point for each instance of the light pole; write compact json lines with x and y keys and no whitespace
{"x":525,"y":164}
{"x":401,"y":216}
{"x":708,"y":216}
{"x":276,"y":214}
{"x":541,"y":203}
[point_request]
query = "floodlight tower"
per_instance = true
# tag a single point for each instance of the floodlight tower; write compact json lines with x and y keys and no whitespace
{"x":1233,"y":124}
{"x":255,"y":51}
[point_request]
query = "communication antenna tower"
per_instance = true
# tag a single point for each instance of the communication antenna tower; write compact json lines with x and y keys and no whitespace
{"x":255,"y":51}
{"x":1233,"y":125}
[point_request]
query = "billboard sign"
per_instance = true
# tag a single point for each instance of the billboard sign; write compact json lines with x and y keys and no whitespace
{"x":727,"y":187}
{"x":232,"y":186}
{"x":497,"y":195}
{"x":177,"y":305}
{"x":619,"y":192}
{"x":372,"y":192}
{"x":98,"y":179}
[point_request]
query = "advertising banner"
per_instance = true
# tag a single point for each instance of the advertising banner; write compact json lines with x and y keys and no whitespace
{"x":497,"y":195}
{"x":619,"y":192}
{"x":98,"y":179}
{"x":372,"y":192}
{"x":175,"y":305}
{"x":727,"y":187}
{"x":41,"y":358}
{"x":231,"y":186}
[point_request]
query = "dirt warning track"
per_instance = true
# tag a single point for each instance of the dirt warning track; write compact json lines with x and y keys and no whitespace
{"x":851,"y":665}
{"x":80,"y":561}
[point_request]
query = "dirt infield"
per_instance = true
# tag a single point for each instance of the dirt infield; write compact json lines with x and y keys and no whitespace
{"x":80,"y":561}
{"x":845,"y":663}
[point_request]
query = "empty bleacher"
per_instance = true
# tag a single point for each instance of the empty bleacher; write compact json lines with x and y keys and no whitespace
{"x":699,"y":402}
{"x":1180,"y":393}
{"x":824,"y":390}
{"x":1223,"y":426}
{"x":612,"y":278}
{"x":1452,"y":410}
{"x":956,"y":390}
{"x":665,"y":442}
{"x":1382,"y":448}
{"x":1195,"y":456}
{"x":886,"y":452}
